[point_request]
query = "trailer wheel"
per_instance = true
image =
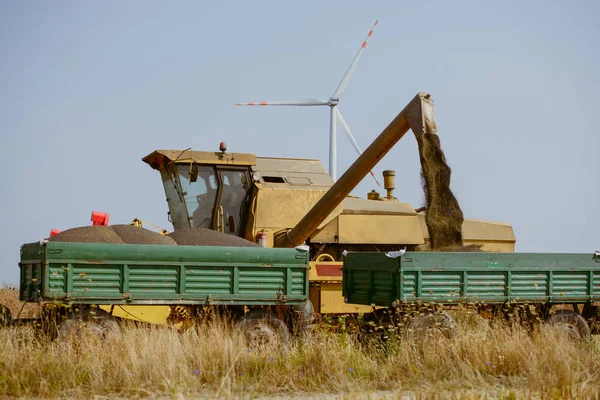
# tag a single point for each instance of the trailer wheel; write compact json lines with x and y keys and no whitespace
{"x":263,"y":329}
{"x":77,"y":329}
{"x":571,"y":324}
{"x":434,"y":323}
{"x":5,"y":316}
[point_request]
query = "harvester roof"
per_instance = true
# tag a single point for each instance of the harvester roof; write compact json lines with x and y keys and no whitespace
{"x":159,"y":158}
{"x":298,"y":172}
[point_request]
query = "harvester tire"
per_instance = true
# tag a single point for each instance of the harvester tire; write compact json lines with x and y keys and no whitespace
{"x":5,"y":316}
{"x":263,"y":329}
{"x":433,"y":323}
{"x":571,"y":324}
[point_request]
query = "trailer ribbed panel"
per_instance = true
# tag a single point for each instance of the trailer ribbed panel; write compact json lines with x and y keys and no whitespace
{"x":486,"y":285}
{"x":271,"y":279}
{"x":31,"y":281}
{"x":572,"y":284}
{"x":298,"y":282}
{"x":33,"y":271}
{"x":99,"y":279}
{"x":440,"y":284}
{"x":529,"y":285}
{"x":409,"y":285}
{"x":152,"y":279}
{"x":205,"y":281}
{"x":360,"y":290}
{"x":383,"y":286}
{"x":56,"y":279}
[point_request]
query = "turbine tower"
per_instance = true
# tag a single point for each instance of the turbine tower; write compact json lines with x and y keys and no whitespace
{"x":334,"y":113}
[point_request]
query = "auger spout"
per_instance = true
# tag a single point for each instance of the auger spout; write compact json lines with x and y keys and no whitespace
{"x":418,"y":115}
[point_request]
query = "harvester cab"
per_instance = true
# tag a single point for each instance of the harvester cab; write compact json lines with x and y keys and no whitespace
{"x":238,"y":193}
{"x":209,"y":190}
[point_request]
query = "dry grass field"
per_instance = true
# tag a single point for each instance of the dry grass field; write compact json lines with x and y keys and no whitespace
{"x":485,"y":360}
{"x":9,"y":297}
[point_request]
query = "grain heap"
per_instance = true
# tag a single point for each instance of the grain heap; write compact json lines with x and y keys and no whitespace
{"x":208,"y":237}
{"x":129,"y":234}
{"x":88,"y":234}
{"x":444,"y":218}
{"x":133,"y":235}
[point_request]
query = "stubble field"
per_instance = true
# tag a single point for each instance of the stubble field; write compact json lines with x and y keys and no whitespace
{"x":486,"y":359}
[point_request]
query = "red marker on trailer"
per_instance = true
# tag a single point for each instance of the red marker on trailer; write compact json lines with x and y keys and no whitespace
{"x":99,"y":219}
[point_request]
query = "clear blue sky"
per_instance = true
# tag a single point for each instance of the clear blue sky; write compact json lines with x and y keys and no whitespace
{"x":89,"y":88}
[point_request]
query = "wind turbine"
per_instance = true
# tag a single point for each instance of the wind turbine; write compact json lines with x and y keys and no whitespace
{"x":334,"y":113}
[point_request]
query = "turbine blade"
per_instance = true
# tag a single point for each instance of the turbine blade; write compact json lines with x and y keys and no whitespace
{"x":348,"y":132}
{"x":348,"y":75}
{"x":350,"y":136}
{"x":301,"y":102}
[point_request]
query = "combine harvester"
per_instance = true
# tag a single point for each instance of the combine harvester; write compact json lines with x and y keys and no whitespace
{"x":273,"y":195}
{"x":287,"y":203}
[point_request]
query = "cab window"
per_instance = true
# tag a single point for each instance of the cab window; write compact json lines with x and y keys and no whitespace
{"x":200,"y":196}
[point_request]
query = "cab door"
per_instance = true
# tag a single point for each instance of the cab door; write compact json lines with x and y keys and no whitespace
{"x":233,"y":200}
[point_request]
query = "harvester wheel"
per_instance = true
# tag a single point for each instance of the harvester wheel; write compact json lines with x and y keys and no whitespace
{"x":434,"y":323}
{"x":263,"y":329}
{"x":571,"y":324}
{"x":5,"y":316}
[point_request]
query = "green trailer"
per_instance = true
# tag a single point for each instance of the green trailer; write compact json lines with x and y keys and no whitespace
{"x":252,"y":284}
{"x":411,"y":280}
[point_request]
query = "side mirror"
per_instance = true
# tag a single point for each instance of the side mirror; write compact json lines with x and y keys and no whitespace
{"x":193,"y":172}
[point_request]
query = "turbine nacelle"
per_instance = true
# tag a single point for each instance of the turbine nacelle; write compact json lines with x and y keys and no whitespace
{"x":334,"y":101}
